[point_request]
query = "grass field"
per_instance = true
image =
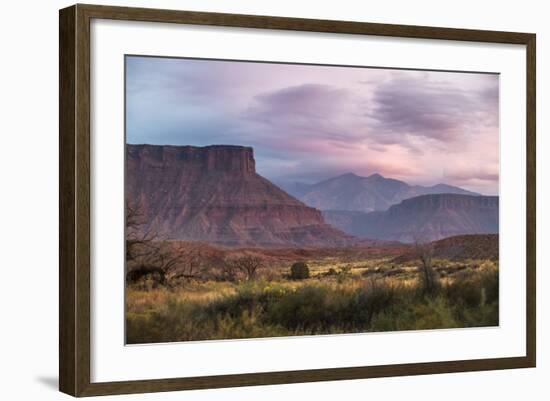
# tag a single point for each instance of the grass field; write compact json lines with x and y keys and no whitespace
{"x":365,"y":295}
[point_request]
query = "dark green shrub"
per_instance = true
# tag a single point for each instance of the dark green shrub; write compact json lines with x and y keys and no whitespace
{"x":299,"y":271}
{"x":464,"y":291}
{"x":474,"y":290}
{"x":304,"y":310}
{"x":331,"y":272}
{"x":489,"y":281}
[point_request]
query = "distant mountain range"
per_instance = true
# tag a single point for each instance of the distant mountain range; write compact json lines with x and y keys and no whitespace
{"x":423,"y":218}
{"x":352,"y":192}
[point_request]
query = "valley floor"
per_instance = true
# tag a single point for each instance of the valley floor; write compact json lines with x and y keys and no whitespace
{"x":340,"y":296}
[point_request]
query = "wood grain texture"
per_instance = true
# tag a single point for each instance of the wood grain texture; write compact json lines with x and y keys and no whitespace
{"x":74,"y":199}
{"x":301,"y":24}
{"x":82,"y":201}
{"x":531,"y":201}
{"x":301,"y":376}
{"x":67,"y":131}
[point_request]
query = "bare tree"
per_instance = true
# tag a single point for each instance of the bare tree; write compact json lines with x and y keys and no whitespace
{"x":229,"y":270}
{"x":247,"y":264}
{"x":147,"y":255}
{"x":189,"y":260}
{"x":139,"y":242}
{"x":424,"y":252}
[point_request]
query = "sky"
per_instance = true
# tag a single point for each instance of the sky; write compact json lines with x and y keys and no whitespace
{"x":308,"y":123}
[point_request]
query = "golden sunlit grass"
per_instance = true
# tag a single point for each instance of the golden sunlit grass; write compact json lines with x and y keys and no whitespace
{"x":339,"y":297}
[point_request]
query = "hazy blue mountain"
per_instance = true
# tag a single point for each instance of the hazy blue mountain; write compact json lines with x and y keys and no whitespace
{"x":352,"y":192}
{"x":425,"y":217}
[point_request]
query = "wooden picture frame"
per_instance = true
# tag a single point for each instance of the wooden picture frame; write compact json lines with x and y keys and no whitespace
{"x":74,"y":204}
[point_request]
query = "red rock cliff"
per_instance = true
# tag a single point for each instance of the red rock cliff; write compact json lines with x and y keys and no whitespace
{"x":223,"y":158}
{"x":214,"y":194}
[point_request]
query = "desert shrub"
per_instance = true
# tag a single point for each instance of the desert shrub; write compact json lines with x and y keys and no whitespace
{"x":146,"y":277}
{"x":139,"y":329}
{"x":269,"y":275}
{"x":299,"y":271}
{"x":464,"y":291}
{"x":176,"y":318}
{"x":424,"y":313}
{"x":394,"y":272}
{"x":481,"y":316}
{"x":345,"y":269}
{"x":474,"y":289}
{"x":475,"y":298}
{"x":247,"y":298}
{"x":331,"y":272}
{"x":303,"y":309}
{"x":429,"y":280}
{"x":318,"y":308}
{"x":489,"y":281}
{"x":374,"y":297}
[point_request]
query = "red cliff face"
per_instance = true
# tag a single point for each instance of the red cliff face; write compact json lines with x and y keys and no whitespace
{"x":214,"y":194}
{"x":222,"y":158}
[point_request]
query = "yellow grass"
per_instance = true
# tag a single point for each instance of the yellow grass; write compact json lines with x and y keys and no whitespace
{"x":143,"y":301}
{"x":196,"y":309}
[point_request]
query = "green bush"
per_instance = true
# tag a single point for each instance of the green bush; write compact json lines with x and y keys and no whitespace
{"x":474,"y":290}
{"x":299,"y":271}
{"x":423,"y":313}
{"x":322,"y":309}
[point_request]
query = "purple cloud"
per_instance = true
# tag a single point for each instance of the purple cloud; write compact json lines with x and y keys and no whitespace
{"x":305,"y":101}
{"x":319,"y":117}
{"x":307,"y":122}
{"x":431,"y":110}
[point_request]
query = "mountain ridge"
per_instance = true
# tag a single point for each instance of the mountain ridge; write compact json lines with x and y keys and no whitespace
{"x":352,"y":192}
{"x":431,"y":217}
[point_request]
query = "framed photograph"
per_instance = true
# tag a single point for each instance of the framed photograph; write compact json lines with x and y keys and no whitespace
{"x":250,"y":200}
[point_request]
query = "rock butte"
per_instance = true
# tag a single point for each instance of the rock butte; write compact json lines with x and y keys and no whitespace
{"x":214,"y":194}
